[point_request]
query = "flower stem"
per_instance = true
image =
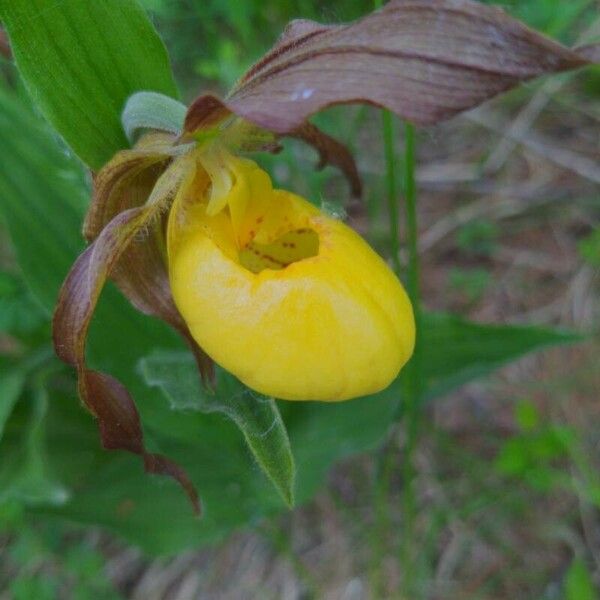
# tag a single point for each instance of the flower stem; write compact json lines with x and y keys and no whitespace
{"x":389,"y":134}
{"x":412,"y":371}
{"x":385,"y":456}
{"x":412,"y":384}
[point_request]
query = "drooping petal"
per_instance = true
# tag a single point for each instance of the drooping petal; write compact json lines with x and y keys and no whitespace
{"x":426,"y":60}
{"x":140,"y":273}
{"x":118,"y":186}
{"x":331,"y":152}
{"x":105,"y":397}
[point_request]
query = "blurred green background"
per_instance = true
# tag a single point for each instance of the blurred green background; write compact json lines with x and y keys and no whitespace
{"x":506,"y":480}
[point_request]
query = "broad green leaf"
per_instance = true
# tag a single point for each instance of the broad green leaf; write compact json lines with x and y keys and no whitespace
{"x":12,"y":382}
{"x":23,"y":469}
{"x":42,"y":198}
{"x":81,"y":61}
{"x":578,"y":582}
{"x":19,"y":313}
{"x":256,"y":416}
{"x":13,"y":378}
{"x":456,"y":351}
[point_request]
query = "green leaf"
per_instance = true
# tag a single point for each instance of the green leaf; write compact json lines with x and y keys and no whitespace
{"x":456,"y":351}
{"x":12,"y":382}
{"x":150,"y":110}
{"x":42,"y":199}
{"x":256,"y":416}
{"x":19,"y":313}
{"x":81,"y":61}
{"x":23,"y":470}
{"x":578,"y":582}
{"x":527,"y":415}
{"x":589,"y":248}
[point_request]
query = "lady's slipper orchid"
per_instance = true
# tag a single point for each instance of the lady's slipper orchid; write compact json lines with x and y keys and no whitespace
{"x":290,"y":300}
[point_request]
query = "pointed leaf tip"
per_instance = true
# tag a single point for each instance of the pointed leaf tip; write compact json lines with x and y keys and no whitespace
{"x":425,"y":60}
{"x":258,"y":418}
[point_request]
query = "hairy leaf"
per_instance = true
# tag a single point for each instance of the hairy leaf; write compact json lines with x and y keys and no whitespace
{"x":256,"y":416}
{"x":81,"y":61}
{"x":152,"y":111}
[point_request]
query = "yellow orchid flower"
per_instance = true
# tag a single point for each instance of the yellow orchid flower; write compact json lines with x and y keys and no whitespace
{"x":290,"y":300}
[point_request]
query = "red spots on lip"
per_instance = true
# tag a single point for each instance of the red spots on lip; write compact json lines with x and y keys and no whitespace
{"x":274,"y":260}
{"x":291,"y":247}
{"x":259,"y":220}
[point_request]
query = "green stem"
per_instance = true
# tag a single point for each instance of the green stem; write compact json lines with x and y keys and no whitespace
{"x":412,"y":371}
{"x":389,"y":134}
{"x":412,"y":376}
{"x":385,"y":456}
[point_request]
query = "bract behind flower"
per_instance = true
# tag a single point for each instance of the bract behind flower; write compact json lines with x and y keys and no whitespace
{"x":290,"y":300}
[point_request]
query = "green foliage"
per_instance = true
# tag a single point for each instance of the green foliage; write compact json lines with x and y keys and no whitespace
{"x":12,"y":382}
{"x":478,"y":238}
{"x":589,"y":248}
{"x":76,"y":570}
{"x":459,"y":350}
{"x":20,"y":315}
{"x":81,"y":61}
{"x":24,"y":473}
{"x":550,"y":16}
{"x":538,"y":452}
{"x":578,"y":582}
{"x":527,"y":415}
{"x":218,"y":40}
{"x":256,"y":416}
{"x":471,"y":284}
{"x":35,"y":166}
